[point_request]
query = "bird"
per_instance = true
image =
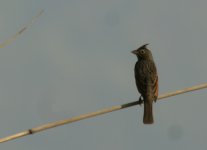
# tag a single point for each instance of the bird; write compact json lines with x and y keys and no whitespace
{"x":146,"y":78}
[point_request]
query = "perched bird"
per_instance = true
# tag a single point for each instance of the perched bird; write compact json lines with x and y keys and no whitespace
{"x":146,"y":80}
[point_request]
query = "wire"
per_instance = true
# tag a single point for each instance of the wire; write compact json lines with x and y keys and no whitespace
{"x":25,"y":27}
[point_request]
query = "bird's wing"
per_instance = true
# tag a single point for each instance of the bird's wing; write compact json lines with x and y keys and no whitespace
{"x":156,"y":88}
{"x":152,"y":81}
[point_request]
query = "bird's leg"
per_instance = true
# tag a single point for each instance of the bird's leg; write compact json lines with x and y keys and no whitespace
{"x":140,"y":101}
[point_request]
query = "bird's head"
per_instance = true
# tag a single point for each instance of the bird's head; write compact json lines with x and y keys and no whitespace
{"x":143,"y":52}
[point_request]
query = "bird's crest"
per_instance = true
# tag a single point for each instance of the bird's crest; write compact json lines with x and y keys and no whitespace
{"x":143,"y":46}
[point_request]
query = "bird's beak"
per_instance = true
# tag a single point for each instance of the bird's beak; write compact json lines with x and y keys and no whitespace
{"x":134,"y":52}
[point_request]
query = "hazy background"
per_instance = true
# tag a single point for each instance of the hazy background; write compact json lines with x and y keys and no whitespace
{"x":76,"y":59}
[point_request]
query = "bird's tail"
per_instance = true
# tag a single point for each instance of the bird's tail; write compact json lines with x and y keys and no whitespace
{"x":148,"y":114}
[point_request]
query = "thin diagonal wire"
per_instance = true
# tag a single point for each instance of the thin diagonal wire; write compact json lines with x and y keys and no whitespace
{"x":96,"y":113}
{"x":25,"y":27}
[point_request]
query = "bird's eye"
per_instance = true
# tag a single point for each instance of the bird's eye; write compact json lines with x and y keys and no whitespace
{"x":142,"y":51}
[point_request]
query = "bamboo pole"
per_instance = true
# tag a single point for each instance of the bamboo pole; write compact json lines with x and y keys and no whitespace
{"x":96,"y":113}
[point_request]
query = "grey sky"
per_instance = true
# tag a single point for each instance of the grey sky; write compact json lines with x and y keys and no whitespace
{"x":76,"y":59}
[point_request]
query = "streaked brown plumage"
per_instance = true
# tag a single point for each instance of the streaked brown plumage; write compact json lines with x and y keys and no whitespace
{"x":146,"y":80}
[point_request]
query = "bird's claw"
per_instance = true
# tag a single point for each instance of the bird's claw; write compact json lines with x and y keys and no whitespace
{"x":140,"y":101}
